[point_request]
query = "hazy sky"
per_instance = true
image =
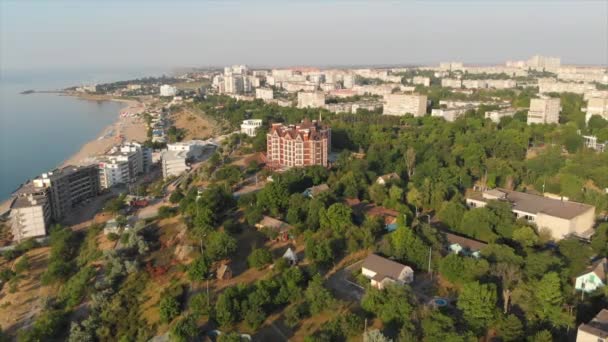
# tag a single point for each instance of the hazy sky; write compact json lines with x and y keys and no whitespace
{"x":110,"y":33}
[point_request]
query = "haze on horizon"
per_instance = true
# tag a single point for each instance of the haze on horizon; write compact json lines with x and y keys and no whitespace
{"x":153,"y":34}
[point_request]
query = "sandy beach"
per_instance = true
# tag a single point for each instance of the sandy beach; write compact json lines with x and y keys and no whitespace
{"x":128,"y":127}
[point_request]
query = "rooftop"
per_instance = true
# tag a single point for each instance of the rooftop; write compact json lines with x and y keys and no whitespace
{"x":471,"y":244}
{"x":383,"y":267}
{"x":598,"y":326}
{"x":536,"y":204}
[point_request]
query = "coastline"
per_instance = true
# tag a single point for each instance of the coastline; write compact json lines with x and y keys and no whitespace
{"x":129,"y":126}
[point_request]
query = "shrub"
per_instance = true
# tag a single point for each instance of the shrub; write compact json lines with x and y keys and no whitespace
{"x":259,"y":258}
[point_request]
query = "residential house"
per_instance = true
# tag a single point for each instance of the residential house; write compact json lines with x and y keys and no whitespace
{"x":291,"y":256}
{"x":385,"y":179}
{"x":594,"y":277}
{"x":315,"y":190}
{"x":596,"y":330}
{"x":224,"y":272}
{"x":363,"y":209}
{"x":275,"y":226}
{"x":382,"y":271}
{"x":463,"y":245}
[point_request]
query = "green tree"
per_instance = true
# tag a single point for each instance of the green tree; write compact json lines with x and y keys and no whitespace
{"x":199,"y":304}
{"x":525,"y":236}
{"x":169,"y":308}
{"x":510,"y":328}
{"x":451,"y":213}
{"x":509,"y":275}
{"x":184,"y":329}
{"x":477,"y":302}
{"x":541,"y":336}
{"x":259,"y":258}
{"x":317,"y":296}
{"x":338,"y":217}
{"x":392,"y":304}
{"x":220,"y":245}
{"x":198,"y":269}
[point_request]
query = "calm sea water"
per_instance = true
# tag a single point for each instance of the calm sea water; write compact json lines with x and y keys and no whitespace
{"x":39,"y":131}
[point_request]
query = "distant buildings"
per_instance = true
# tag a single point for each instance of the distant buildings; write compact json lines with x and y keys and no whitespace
{"x":552,"y":86}
{"x":167,"y":90}
{"x":544,"y":111}
{"x":305,"y":144}
{"x":451,"y":114}
{"x":421,"y":80}
{"x":451,"y":66}
{"x":311,"y":99}
{"x":596,"y":330}
{"x":592,"y":143}
{"x":265,"y":94}
{"x":451,"y":83}
{"x":543,"y":63}
{"x":401,"y":104}
{"x":383,"y":272}
{"x":597,"y":106}
{"x":251,"y":126}
{"x":497,"y":115}
{"x":560,"y":217}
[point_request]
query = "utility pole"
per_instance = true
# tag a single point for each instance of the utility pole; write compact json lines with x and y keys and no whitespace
{"x":430,"y":253}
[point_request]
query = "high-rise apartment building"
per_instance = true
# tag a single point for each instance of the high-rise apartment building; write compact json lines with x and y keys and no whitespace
{"x":401,"y":104}
{"x":544,"y":111}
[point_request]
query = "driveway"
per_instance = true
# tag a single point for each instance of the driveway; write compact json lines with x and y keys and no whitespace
{"x":343,"y":287}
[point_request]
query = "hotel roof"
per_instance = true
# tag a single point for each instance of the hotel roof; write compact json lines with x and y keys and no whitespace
{"x":536,"y":204}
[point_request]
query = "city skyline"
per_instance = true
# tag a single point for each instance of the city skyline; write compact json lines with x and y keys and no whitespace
{"x":125,"y":34}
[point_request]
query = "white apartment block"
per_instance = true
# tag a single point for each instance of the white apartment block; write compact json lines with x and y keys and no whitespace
{"x":167,"y":90}
{"x":544,"y":111}
{"x":451,"y":114}
{"x":293,"y":87}
{"x":113,"y":172}
{"x":543,"y":63}
{"x":501,"y":84}
{"x":328,"y":87}
{"x":265,"y":94}
{"x":552,"y":86}
{"x":234,"y":84}
{"x":595,"y":93}
{"x":474,"y":84}
{"x":311,"y":99}
{"x":251,"y":126}
{"x":497,"y":115}
{"x":401,"y":104}
{"x":174,"y":163}
{"x":451,"y":83}
{"x":30,"y":215}
{"x":597,"y":106}
{"x":236,"y":70}
{"x":349,"y":81}
{"x":425,"y":81}
{"x":451,"y":66}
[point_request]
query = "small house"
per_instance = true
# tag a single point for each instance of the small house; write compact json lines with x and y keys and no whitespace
{"x":463,"y":245}
{"x":596,"y":330}
{"x":361,"y":209}
{"x":111,"y":227}
{"x":291,"y":256}
{"x":385,"y":179}
{"x":382,"y":271}
{"x":279,"y":227}
{"x":594,"y":277}
{"x":315,"y":190}
{"x":224,"y":272}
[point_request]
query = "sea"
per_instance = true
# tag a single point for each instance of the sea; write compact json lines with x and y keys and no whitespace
{"x":41,"y":130}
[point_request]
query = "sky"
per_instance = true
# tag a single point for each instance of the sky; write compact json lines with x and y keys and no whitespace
{"x":62,"y":34}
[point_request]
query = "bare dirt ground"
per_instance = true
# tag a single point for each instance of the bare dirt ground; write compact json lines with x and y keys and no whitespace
{"x":18,"y":309}
{"x":195,"y":123}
